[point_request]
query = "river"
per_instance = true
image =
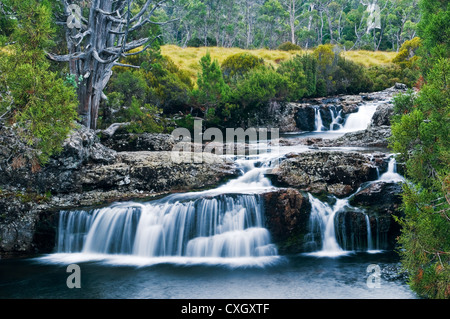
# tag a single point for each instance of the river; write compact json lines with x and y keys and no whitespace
{"x":209,"y":244}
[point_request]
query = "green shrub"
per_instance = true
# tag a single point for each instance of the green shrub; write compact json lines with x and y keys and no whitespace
{"x":144,"y":118}
{"x":211,"y":91}
{"x":293,"y":69}
{"x":420,"y":130}
{"x":39,"y":103}
{"x":256,"y":89}
{"x":385,"y":76}
{"x":198,"y":43}
{"x":237,"y":65}
{"x":289,"y":46}
{"x":407,"y":53}
{"x":309,"y":63}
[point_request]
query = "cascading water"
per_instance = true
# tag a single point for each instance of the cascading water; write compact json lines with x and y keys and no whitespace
{"x":391,"y":175}
{"x":322,"y":223}
{"x":222,"y":226}
{"x":354,"y":122}
{"x":318,"y":121}
{"x":361,"y":119}
{"x":336,"y":119}
{"x":226,"y":223}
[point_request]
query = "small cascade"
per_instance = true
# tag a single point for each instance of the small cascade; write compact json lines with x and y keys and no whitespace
{"x":339,"y":229}
{"x":222,"y":226}
{"x":391,"y":175}
{"x":369,"y":233}
{"x":360,"y":120}
{"x":336,"y":119}
{"x":322,"y":227}
{"x":318,"y":120}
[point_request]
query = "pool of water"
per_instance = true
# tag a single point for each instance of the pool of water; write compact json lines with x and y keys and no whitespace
{"x":284,"y":277}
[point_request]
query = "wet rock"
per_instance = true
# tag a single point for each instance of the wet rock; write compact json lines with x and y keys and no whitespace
{"x":373,"y":136}
{"x":157,"y":172}
{"x":334,"y":172}
{"x":380,"y":195}
{"x":130,"y":142}
{"x":383,"y":114}
{"x":287,"y":214}
{"x":305,"y":118}
{"x":400,"y":86}
{"x":381,"y":201}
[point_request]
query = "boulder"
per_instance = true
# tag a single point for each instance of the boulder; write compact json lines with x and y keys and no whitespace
{"x":287,"y":214}
{"x":155,"y":172}
{"x":17,"y":224}
{"x":334,"y":172}
{"x":305,"y":118}
{"x":381,"y":201}
{"x":383,"y":114}
{"x":130,"y":142}
{"x":373,"y":136}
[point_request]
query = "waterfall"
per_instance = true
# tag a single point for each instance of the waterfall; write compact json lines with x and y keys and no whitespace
{"x":222,"y":226}
{"x":336,"y":119}
{"x":322,"y":222}
{"x":369,"y":233}
{"x":391,"y":175}
{"x":318,"y":120}
{"x":339,"y":229}
{"x":360,"y":120}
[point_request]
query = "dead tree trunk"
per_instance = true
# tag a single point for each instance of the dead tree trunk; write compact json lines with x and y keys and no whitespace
{"x":97,"y":42}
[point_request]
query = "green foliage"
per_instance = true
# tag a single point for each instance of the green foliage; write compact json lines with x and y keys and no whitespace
{"x":310,"y":70}
{"x":293,"y":69}
{"x":235,"y":66}
{"x":334,"y":74}
{"x":434,"y":30}
{"x":289,"y":46}
{"x":386,"y":76}
{"x":257,"y":88}
{"x":159,"y":83}
{"x":130,"y":84}
{"x":420,"y":135}
{"x":212,"y":91}
{"x":349,"y":78}
{"x":406,"y":56}
{"x":42,"y":106}
{"x":144,"y":118}
{"x":197,"y":43}
{"x":420,"y":132}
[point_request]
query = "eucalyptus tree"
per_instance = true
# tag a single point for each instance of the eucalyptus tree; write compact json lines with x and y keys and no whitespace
{"x":98,"y":35}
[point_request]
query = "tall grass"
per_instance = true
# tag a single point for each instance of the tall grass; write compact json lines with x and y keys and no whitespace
{"x":188,"y":58}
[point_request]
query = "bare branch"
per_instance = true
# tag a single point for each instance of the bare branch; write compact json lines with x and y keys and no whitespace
{"x":126,"y":65}
{"x":67,"y":57}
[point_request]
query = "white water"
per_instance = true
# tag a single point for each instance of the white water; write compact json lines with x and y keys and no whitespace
{"x":221,"y":225}
{"x":360,"y":120}
{"x":318,"y":120}
{"x":322,"y":220}
{"x":335,"y":120}
{"x":391,"y":175}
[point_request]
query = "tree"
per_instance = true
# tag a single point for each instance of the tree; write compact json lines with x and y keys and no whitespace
{"x":212,"y":90}
{"x":420,"y":133}
{"x":97,"y":37}
{"x":41,"y":105}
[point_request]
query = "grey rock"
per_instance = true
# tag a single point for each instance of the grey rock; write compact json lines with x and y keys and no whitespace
{"x":130,"y":142}
{"x":335,"y":172}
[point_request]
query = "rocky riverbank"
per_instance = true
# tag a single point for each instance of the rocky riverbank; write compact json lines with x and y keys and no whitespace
{"x":97,"y":168}
{"x":87,"y":173}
